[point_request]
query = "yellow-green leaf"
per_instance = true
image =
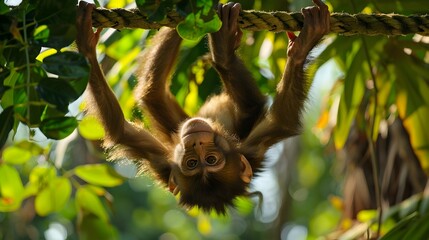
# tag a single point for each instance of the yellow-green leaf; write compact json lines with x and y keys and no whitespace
{"x":204,"y":225}
{"x":412,"y":102}
{"x":16,"y":155}
{"x":194,"y":27}
{"x":91,"y":128}
{"x":54,"y":197}
{"x":88,"y":201}
{"x":366,"y":215}
{"x":99,"y":191}
{"x":345,"y":118}
{"x":32,"y":147}
{"x":99,"y":174}
{"x":401,"y":228}
{"x":244,"y":205}
{"x":191,"y":101}
{"x":11,"y":189}
{"x":39,"y":178}
{"x":418,"y":130}
{"x":42,"y":174}
{"x":354,"y":88}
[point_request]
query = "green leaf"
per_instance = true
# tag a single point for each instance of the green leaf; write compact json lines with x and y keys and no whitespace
{"x":31,"y":147}
{"x":42,"y":175}
{"x":30,"y":190}
{"x":28,"y":106}
{"x":3,"y":8}
{"x":400,"y":229}
{"x":11,"y":189}
{"x":15,"y":56}
{"x":88,"y":201}
{"x":54,"y":197}
{"x":354,"y":84}
{"x":93,"y":227}
{"x":60,"y":35}
{"x":244,"y":205}
{"x":16,"y":155}
{"x":60,"y":17}
{"x":345,"y":119}
{"x":41,"y":35}
{"x":204,"y":224}
{"x":194,"y":27}
{"x":79,"y":85}
{"x":155,"y":10}
{"x":418,"y":128}
{"x":99,"y":191}
{"x":13,"y":96}
{"x":91,"y":128}
{"x":99,"y":174}
{"x":338,"y":49}
{"x":67,"y":65}
{"x":51,"y":112}
{"x":413,"y":104}
{"x":27,"y":103}
{"x":39,"y":177}
{"x":350,"y":57}
{"x":124,"y":49}
{"x":385,"y":98}
{"x":4,"y":73}
{"x":191,"y":101}
{"x":354,"y":89}
{"x":206,"y":8}
{"x":412,"y":94}
{"x":58,"y":92}
{"x":366,"y":215}
{"x":6,"y":124}
{"x":419,"y":230}
{"x":31,"y":114}
{"x":58,"y":128}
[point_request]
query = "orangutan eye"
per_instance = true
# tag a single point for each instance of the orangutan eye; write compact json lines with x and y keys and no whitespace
{"x":191,"y":163}
{"x":211,"y":160}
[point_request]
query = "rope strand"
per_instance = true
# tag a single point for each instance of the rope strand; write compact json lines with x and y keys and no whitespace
{"x":341,"y":23}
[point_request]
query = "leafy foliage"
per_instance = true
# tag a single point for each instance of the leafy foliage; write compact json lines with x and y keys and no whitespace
{"x":200,"y":15}
{"x":90,"y":128}
{"x":394,"y":87}
{"x":62,"y":182}
{"x":381,"y":82}
{"x":37,"y":92}
{"x":6,"y":123}
{"x":52,"y":191}
{"x":99,"y":174}
{"x":11,"y":189}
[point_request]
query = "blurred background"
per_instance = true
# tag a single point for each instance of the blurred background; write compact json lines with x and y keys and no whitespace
{"x":365,"y":144}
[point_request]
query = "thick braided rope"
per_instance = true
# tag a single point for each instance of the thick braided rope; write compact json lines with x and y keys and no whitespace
{"x":341,"y":23}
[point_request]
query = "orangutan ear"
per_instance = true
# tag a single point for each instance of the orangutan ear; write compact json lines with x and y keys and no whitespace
{"x":246,"y":170}
{"x":172,"y":185}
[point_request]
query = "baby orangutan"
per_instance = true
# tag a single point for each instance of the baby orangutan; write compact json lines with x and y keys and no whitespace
{"x":209,"y":159}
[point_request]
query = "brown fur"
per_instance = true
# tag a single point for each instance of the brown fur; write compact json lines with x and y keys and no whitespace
{"x":240,"y":121}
